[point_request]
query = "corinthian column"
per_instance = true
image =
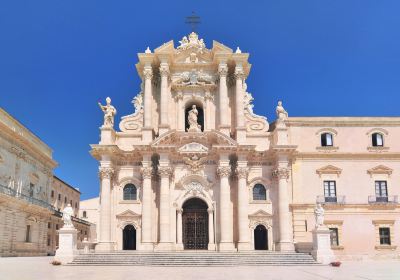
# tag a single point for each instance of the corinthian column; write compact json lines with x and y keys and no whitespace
{"x":285,"y":230}
{"x":147,"y":243}
{"x":223,"y":99}
{"x":165,"y":237}
{"x":242,"y":207}
{"x":105,"y":244}
{"x":148,"y":75}
{"x":240,"y":128}
{"x":226,"y":223}
{"x":164,"y":73}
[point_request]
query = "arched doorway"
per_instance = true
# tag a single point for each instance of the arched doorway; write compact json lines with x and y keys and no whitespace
{"x":129,"y":238}
{"x":260,"y":238}
{"x":200,"y":116}
{"x":195,"y":225}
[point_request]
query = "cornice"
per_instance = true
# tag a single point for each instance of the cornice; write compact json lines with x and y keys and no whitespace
{"x":350,"y":156}
{"x":343,"y":121}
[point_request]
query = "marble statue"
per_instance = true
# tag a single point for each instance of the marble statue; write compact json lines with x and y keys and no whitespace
{"x":67,"y":216}
{"x":109,"y":113}
{"x":319,"y":215}
{"x":281,"y":112}
{"x":192,"y":119}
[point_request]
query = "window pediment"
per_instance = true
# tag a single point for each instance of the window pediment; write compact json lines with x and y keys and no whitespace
{"x":380,"y":169}
{"x":329,"y":169}
{"x":259,"y":214}
{"x":128,"y":214}
{"x":193,"y":147}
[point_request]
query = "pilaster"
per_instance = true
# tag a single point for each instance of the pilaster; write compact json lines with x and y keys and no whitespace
{"x":224,"y":126}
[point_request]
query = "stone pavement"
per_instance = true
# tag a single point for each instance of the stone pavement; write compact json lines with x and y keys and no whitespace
{"x":39,"y":268}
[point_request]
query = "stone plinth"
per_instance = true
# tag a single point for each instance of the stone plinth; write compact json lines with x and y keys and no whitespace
{"x":67,"y":249}
{"x":322,"y":251}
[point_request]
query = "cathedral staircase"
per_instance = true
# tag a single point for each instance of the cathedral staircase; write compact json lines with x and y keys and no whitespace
{"x":193,"y":258}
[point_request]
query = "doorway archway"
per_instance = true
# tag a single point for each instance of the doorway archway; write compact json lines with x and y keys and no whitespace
{"x":260,"y":238}
{"x":195,"y":225}
{"x":129,"y":238}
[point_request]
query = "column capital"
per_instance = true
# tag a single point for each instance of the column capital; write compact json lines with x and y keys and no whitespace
{"x":210,"y":211}
{"x":223,"y":69}
{"x":281,"y":173}
{"x":164,"y":171}
{"x":146,"y":172}
{"x":164,"y":69}
{"x":179,"y":210}
{"x":224,"y":171}
{"x":106,"y":172}
{"x":148,"y":73}
{"x":242,"y":172}
{"x":239,"y":73}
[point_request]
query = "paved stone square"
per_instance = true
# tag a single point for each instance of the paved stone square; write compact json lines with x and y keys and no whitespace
{"x":39,"y":268}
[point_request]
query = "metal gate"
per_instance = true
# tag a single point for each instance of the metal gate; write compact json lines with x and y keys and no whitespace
{"x":195,"y":229}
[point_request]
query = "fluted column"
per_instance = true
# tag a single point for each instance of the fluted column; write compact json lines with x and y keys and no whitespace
{"x":240,"y":127}
{"x":211,"y":243}
{"x":147,"y":243}
{"x":223,"y":99}
{"x":164,"y":73}
{"x":165,"y":237}
{"x":179,"y":243}
{"x":226,"y":223}
{"x":242,"y":207}
{"x":105,"y":175}
{"x":148,"y":75}
{"x":285,"y":230}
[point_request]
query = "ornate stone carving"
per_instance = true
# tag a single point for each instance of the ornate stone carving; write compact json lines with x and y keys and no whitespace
{"x":195,"y":162}
{"x":281,"y":113}
{"x":254,"y":123}
{"x":193,"y":43}
{"x":319,"y":213}
{"x":134,"y":122}
{"x":195,"y":77}
{"x":208,"y":96}
{"x":239,"y":73}
{"x":281,"y":173}
{"x":193,"y":147}
{"x":242,"y":172}
{"x":148,"y":73}
{"x":223,"y":70}
{"x":164,"y":70}
{"x":224,"y":171}
{"x":147,"y":172}
{"x":164,"y":171}
{"x":179,"y":210}
{"x":106,"y":172}
{"x":192,"y":120}
{"x":109,"y":113}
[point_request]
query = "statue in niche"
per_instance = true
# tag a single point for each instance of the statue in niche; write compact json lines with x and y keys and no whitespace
{"x":281,"y":112}
{"x":67,"y":216}
{"x":109,"y":113}
{"x":319,"y":215}
{"x":192,"y":120}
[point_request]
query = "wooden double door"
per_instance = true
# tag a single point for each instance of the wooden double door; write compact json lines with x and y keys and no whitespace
{"x":195,"y":225}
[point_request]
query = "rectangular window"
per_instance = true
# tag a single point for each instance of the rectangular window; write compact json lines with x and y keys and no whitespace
{"x":70,"y":202}
{"x":326,"y":139}
{"x":377,"y":140}
{"x":76,"y":205}
{"x":57,"y":226}
{"x":28,"y":233}
{"x":381,"y":189}
{"x":65,"y":200}
{"x":48,"y":240}
{"x":31,"y":188}
{"x":52,"y":194}
{"x":384,"y":235}
{"x":48,"y":225}
{"x":59,"y":197}
{"x":334,"y":237}
{"x":330,"y":191}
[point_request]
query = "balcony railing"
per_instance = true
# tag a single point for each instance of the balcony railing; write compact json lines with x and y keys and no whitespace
{"x":31,"y":200}
{"x":391,"y":199}
{"x":331,"y":199}
{"x":60,"y":214}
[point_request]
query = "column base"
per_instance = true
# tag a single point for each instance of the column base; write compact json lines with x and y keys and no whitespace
{"x":226,"y":246}
{"x":104,"y":246}
{"x":211,"y":247}
{"x":164,"y":246}
{"x":146,"y":246}
{"x":245,"y":246}
{"x":179,"y":247}
{"x":285,"y":246}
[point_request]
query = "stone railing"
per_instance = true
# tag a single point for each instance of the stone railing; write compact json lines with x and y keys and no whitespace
{"x":391,"y":199}
{"x":75,"y":219}
{"x":331,"y":199}
{"x":28,"y":199}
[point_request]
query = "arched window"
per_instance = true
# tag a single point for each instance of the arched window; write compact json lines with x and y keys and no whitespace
{"x":377,"y":139}
{"x":326,"y":139}
{"x":130,"y":192}
{"x":259,"y":192}
{"x":84,"y":214}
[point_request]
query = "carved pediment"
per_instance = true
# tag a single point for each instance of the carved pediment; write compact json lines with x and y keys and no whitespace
{"x":193,"y":147}
{"x":260,"y":214}
{"x":329,"y":169}
{"x":128,"y":214}
{"x":380,"y":169}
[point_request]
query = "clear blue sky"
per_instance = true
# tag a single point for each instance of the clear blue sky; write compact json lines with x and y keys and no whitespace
{"x":321,"y":57}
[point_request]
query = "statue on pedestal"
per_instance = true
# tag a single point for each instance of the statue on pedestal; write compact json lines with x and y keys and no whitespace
{"x":192,"y":119}
{"x":67,"y":216}
{"x":319,"y":215}
{"x":281,"y":112}
{"x":109,"y":113}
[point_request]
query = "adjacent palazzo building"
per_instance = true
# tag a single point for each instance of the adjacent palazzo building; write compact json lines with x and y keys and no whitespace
{"x":195,"y":168}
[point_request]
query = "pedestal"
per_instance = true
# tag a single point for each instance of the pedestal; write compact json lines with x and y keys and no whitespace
{"x":322,"y":251}
{"x":67,"y":249}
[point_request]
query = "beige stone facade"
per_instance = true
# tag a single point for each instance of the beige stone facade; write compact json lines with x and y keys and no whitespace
{"x":195,"y":168}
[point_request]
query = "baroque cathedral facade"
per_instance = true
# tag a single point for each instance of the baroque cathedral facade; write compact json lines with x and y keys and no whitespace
{"x":194,"y":168}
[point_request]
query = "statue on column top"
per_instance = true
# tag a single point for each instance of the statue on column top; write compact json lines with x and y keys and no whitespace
{"x":109,"y":113}
{"x":319,"y":215}
{"x":281,"y":113}
{"x":67,"y":216}
{"x":192,"y":119}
